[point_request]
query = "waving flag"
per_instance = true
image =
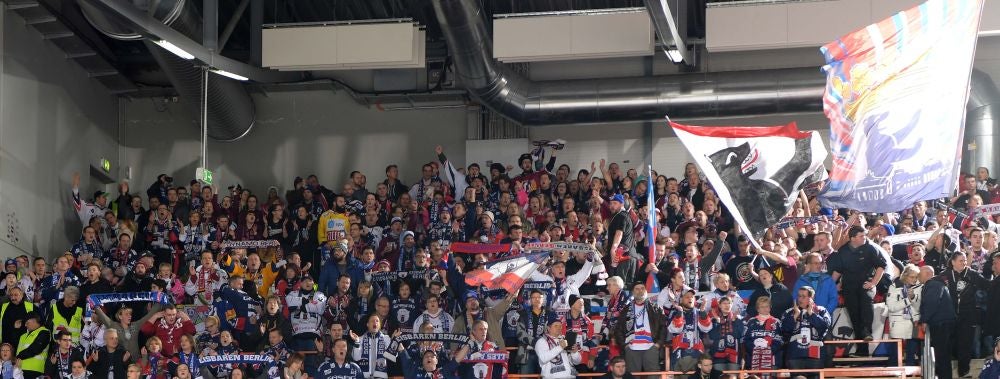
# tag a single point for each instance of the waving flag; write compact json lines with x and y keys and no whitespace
{"x":896,"y":94}
{"x":507,"y":273}
{"x":757,"y":172}
{"x":652,"y":285}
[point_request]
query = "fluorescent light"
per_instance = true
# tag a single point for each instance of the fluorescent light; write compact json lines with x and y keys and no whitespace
{"x":166,"y":45}
{"x":675,"y":55}
{"x":229,"y":74}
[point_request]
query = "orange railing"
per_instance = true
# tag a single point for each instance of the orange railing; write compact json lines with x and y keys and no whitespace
{"x":899,"y":370}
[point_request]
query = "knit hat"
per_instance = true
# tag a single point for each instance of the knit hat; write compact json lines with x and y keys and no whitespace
{"x":342,"y":245}
{"x":573,"y":299}
{"x":9,"y":262}
{"x":403,"y":236}
{"x":498,"y":167}
{"x":395,"y":220}
{"x":490,"y":215}
{"x":889,"y":229}
{"x":619,"y":198}
{"x":471,"y":295}
{"x":523,"y":157}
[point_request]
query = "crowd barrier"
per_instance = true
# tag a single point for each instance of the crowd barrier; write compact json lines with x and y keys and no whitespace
{"x":898,"y":371}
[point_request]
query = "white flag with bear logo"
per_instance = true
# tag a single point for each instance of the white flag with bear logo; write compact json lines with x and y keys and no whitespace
{"x":757,"y":171}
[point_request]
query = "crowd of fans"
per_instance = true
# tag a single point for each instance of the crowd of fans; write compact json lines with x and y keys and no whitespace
{"x":315,"y":303}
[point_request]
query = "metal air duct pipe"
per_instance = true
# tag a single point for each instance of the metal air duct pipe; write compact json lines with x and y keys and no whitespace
{"x":981,"y":117}
{"x":230,"y":108}
{"x":615,"y":100}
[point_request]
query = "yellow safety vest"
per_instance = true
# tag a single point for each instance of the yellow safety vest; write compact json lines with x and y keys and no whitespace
{"x":28,"y":307}
{"x":37,"y":362}
{"x":74,"y":325}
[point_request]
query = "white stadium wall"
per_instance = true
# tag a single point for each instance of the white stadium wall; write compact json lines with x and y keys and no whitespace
{"x":297,"y":133}
{"x":54,"y":120}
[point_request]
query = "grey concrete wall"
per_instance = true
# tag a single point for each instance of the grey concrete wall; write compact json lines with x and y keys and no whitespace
{"x":54,"y":120}
{"x":297,"y":134}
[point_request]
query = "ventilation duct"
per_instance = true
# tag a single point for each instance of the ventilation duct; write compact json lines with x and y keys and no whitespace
{"x":981,"y":117}
{"x":230,"y":109}
{"x":615,"y":100}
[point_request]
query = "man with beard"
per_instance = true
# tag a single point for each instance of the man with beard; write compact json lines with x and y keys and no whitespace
{"x":338,"y":265}
{"x":121,"y":259}
{"x":622,"y":251}
{"x":639,"y":332}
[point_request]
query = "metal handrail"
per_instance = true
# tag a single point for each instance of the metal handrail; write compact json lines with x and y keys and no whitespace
{"x":899,"y":370}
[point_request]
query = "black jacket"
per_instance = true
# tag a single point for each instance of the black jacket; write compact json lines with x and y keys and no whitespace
{"x":992,"y":324}
{"x":626,"y":323}
{"x":781,"y":299}
{"x":53,"y":370}
{"x":37,"y":346}
{"x":967,"y":297}
{"x":936,"y":306}
{"x":627,"y":375}
{"x":111,"y":361}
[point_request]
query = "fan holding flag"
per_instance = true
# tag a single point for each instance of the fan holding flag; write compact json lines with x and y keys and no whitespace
{"x":652,"y":284}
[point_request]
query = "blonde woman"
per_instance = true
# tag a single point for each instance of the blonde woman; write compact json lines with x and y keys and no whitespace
{"x":128,"y":331}
{"x":154,"y":364}
{"x":903,"y":308}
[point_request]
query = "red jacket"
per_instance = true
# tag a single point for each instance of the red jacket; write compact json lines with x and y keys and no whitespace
{"x":169,"y":335}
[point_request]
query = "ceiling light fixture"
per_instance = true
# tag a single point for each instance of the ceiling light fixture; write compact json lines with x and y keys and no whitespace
{"x":166,"y":45}
{"x":675,"y":55}
{"x":229,"y":74}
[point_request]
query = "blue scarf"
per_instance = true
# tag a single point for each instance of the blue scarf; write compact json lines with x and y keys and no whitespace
{"x":244,"y":359}
{"x":99,"y":299}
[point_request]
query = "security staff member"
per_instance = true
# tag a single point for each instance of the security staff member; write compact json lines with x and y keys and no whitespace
{"x":33,"y":347}
{"x":859,"y":267}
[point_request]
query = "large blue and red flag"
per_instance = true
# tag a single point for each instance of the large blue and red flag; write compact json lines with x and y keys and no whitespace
{"x":896,"y":95}
{"x":652,"y":285}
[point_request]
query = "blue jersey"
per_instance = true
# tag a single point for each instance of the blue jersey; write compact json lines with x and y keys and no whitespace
{"x":332,"y":370}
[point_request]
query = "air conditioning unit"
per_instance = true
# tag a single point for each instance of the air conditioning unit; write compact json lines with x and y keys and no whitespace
{"x":345,"y":45}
